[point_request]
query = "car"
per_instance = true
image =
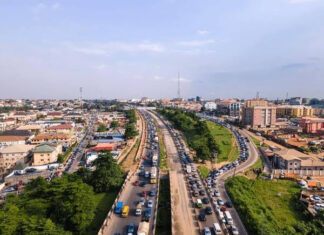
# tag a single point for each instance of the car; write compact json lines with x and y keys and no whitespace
{"x":143,"y":183}
{"x":229,"y":204}
{"x":207,"y":231}
{"x":233,"y":230}
{"x":205,"y":200}
{"x":223,"y":208}
{"x":209,"y":185}
{"x":136,"y":183}
{"x":142,"y":173}
{"x":220,"y":202}
{"x":141,"y":167}
{"x":202,"y":216}
{"x":208,"y":210}
{"x":192,"y":182}
{"x":131,"y":228}
{"x":142,"y":201}
{"x":144,"y":194}
{"x":202,"y":192}
{"x":152,"y":193}
{"x":150,"y":204}
{"x":216,"y":193}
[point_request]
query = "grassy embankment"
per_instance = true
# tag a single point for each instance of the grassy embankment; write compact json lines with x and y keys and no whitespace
{"x":225,"y":141}
{"x":266,"y":207}
{"x":103,"y":203}
{"x":163,"y":222}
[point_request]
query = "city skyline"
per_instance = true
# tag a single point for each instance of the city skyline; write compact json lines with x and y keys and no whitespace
{"x":131,"y":50}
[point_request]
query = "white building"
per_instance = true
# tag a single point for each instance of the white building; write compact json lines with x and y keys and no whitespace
{"x":210,"y":105}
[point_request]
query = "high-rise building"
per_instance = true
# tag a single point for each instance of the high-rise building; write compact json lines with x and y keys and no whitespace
{"x":258,"y":114}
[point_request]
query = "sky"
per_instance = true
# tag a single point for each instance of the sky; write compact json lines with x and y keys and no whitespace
{"x":136,"y":48}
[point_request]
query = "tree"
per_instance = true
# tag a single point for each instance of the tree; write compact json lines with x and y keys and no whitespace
{"x":108,"y":174}
{"x":102,"y":128}
{"x":114,"y":124}
{"x":130,"y":131}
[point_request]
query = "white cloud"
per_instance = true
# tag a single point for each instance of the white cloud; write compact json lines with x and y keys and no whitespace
{"x":196,"y":43}
{"x":114,"y":47}
{"x":202,"y":32}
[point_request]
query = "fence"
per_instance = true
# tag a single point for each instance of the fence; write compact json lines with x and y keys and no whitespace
{"x":300,"y":172}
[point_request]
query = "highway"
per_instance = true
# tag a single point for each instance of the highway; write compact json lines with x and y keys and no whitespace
{"x":132,"y":194}
{"x":183,"y":217}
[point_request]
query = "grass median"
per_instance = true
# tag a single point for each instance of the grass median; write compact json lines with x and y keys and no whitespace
{"x":163,"y":222}
{"x":204,"y":171}
{"x":225,"y":141}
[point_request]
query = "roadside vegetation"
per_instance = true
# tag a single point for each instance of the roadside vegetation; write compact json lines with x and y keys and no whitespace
{"x":163,"y":222}
{"x":72,"y":204}
{"x":258,"y":142}
{"x":271,"y":207}
{"x":130,"y":129}
{"x":196,"y":132}
{"x":62,"y":156}
{"x":225,"y":140}
{"x":163,"y":164}
{"x":204,"y":171}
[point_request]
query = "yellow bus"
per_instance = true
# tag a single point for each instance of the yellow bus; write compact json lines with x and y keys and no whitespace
{"x":125,"y":211}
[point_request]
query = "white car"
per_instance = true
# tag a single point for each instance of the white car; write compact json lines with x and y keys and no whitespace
{"x":216,"y":193}
{"x":150,"y":204}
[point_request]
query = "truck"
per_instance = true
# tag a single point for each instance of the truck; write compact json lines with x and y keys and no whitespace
{"x":188,"y":169}
{"x":143,"y":228}
{"x":119,"y":207}
{"x":153,"y":175}
{"x":154,"y":159}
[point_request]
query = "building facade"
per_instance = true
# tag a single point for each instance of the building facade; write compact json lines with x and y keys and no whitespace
{"x":46,"y":153}
{"x":259,"y":116}
{"x":295,"y":111}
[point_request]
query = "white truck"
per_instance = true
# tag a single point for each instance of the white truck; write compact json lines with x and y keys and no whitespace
{"x":143,"y":228}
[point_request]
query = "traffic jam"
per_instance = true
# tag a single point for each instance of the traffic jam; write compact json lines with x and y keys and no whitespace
{"x":204,"y":193}
{"x":140,"y":207}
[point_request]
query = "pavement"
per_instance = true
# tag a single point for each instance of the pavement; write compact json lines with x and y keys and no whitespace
{"x":130,"y":196}
{"x":183,"y":220}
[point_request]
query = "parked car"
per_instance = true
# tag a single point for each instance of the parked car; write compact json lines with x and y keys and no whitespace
{"x":208,"y":210}
{"x":136,"y":183}
{"x":131,"y":228}
{"x":202,"y":216}
{"x":150,"y":204}
{"x":205,"y":200}
{"x":229,"y":204}
{"x":207,"y":231}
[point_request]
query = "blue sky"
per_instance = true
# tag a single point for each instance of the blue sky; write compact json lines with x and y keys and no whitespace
{"x":135,"y":48}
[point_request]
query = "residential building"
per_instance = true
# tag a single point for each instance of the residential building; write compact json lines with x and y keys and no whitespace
{"x":46,"y":153}
{"x":312,"y":125}
{"x":11,"y":155}
{"x":210,"y":105}
{"x":295,"y":111}
{"x":291,"y":159}
{"x":296,"y":101}
{"x":259,"y":116}
{"x":62,"y":128}
{"x":63,"y":139}
{"x":256,"y":102}
{"x":11,"y":140}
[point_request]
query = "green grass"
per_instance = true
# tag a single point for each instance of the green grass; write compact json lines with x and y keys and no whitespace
{"x":163,"y":222}
{"x":204,"y":171}
{"x":257,"y":164}
{"x":103,"y":203}
{"x":258,"y":142}
{"x":226,"y":142}
{"x":266,"y":207}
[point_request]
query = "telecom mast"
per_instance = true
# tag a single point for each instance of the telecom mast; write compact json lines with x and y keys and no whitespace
{"x":179,"y":96}
{"x":81,"y":98}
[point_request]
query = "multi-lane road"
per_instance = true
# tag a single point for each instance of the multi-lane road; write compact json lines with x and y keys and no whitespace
{"x":131,"y":194}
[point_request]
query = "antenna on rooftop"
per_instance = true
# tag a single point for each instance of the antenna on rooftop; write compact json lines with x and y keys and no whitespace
{"x":179,"y":96}
{"x":257,"y":95}
{"x":287,"y":96}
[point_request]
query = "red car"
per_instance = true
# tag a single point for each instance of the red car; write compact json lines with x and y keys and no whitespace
{"x":223,"y":208}
{"x":144,"y":193}
{"x":136,"y":183}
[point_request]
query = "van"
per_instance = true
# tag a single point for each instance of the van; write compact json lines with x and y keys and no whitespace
{"x":217,"y":228}
{"x":199,"y":203}
{"x":138,"y":210}
{"x":125,"y":211}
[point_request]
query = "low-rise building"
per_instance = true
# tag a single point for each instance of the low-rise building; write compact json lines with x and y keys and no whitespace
{"x":11,"y":140}
{"x":46,"y":153}
{"x":295,"y":111}
{"x":62,"y":128}
{"x":11,"y":155}
{"x":291,"y":159}
{"x":63,"y":139}
{"x":210,"y":105}
{"x":312,"y":125}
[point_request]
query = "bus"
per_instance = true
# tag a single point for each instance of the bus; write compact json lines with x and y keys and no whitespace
{"x":153,"y":175}
{"x":228,"y":217}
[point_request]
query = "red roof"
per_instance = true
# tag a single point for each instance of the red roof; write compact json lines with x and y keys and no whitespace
{"x":104,"y":146}
{"x":62,"y":127}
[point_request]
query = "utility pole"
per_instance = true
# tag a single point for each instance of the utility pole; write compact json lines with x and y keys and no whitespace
{"x":81,"y":104}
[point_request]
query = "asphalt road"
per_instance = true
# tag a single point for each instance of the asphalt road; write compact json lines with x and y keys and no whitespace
{"x":184,"y":221}
{"x":130,"y":196}
{"x":253,"y":157}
